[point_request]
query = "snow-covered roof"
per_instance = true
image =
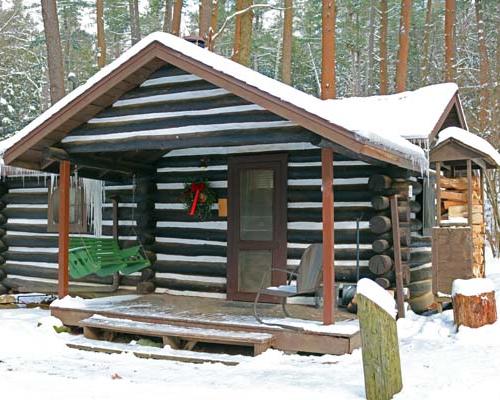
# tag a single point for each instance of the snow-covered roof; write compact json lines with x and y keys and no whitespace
{"x":381,"y":121}
{"x":412,"y":114}
{"x":470,"y":140}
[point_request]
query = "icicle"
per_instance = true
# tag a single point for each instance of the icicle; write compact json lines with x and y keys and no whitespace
{"x":94,"y":196}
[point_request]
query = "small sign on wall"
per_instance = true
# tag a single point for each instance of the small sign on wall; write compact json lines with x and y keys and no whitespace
{"x":222,"y":207}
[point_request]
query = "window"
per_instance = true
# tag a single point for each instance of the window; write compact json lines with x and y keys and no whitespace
{"x":77,"y":209}
{"x":428,"y":201}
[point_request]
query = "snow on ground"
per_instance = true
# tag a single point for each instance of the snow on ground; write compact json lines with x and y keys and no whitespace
{"x":437,"y":363}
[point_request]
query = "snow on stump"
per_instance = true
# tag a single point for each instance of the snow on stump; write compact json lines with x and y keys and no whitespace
{"x":474,"y":302}
{"x":379,"y":339}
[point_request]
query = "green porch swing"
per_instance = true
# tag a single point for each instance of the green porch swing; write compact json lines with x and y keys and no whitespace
{"x":103,"y":257}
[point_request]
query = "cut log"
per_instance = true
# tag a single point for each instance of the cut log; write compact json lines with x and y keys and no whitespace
{"x":3,"y":274}
{"x":383,"y":282}
{"x":379,"y":183}
{"x":405,"y":237}
{"x":474,"y":302}
{"x":380,"y":264}
{"x":453,"y":183}
{"x":146,"y":287}
{"x":381,"y":245}
{"x":455,"y":196}
{"x":380,"y":202}
{"x":380,"y":224}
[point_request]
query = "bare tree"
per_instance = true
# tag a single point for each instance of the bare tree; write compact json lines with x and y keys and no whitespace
{"x":424,"y":72}
{"x":101,"y":39}
{"x":205,"y":12}
{"x":328,"y":85}
{"x":243,"y":32}
{"x":484,"y":70}
{"x":286,"y":58}
{"x":167,"y":16}
{"x":214,"y":20}
{"x":176,"y":19}
{"x":404,"y":46}
{"x":449,"y":40}
{"x":135,"y":26}
{"x":384,"y":23}
{"x":54,"y":50}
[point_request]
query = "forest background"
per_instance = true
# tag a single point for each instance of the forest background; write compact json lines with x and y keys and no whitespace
{"x":447,"y":40}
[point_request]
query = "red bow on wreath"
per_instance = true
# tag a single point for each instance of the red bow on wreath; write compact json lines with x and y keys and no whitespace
{"x":196,"y":188}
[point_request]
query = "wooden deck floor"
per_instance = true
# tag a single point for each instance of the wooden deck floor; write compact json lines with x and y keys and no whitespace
{"x":311,"y":336}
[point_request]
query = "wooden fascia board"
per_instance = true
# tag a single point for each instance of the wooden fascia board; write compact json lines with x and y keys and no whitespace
{"x":138,"y":61}
{"x":454,"y":102}
{"x":286,"y":110}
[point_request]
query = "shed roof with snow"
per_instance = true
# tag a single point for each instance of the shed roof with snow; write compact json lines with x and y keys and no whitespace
{"x":457,"y":145}
{"x":124,"y":106}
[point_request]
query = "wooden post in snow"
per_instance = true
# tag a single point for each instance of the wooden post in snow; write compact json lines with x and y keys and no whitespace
{"x":379,"y":338}
{"x":328,"y":91}
{"x":64,"y":188}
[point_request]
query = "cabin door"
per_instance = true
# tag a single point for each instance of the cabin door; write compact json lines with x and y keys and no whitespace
{"x":257,"y":221}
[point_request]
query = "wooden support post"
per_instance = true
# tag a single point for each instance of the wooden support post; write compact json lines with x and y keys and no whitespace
{"x":397,"y":257}
{"x":64,"y":188}
{"x":329,"y":293}
{"x":114,"y":201}
{"x":469,"y":191}
{"x":438,"y":193}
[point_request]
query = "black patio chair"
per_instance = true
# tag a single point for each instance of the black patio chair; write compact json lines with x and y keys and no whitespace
{"x":308,"y":276}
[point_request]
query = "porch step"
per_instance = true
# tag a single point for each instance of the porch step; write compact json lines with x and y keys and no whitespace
{"x":81,"y":343}
{"x":177,"y":337}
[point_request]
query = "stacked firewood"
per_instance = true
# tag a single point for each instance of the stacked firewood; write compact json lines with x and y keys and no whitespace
{"x":3,"y":247}
{"x":454,"y":207}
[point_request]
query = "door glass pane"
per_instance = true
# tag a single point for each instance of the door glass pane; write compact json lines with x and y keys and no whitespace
{"x":252,"y":265}
{"x":256,"y":204}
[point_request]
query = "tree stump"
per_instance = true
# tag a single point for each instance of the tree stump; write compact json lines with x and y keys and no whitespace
{"x":474,"y":302}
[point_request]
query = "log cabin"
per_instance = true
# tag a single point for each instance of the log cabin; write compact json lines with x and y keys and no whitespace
{"x":286,"y":170}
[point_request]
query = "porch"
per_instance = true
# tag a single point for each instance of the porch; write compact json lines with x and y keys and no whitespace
{"x":306,"y":333}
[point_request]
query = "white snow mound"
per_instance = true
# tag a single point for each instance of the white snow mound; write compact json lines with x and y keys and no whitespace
{"x":472,"y":287}
{"x":69,"y":302}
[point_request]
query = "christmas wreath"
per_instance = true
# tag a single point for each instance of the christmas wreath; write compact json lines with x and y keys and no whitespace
{"x":198,"y":199}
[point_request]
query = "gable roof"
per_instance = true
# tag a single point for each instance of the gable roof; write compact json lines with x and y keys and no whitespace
{"x":472,"y":146}
{"x":338,"y":121}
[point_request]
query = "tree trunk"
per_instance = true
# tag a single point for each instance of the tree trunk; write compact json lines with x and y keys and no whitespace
{"x":484,"y":71}
{"x":404,"y":46}
{"x":384,"y":22}
{"x":176,"y":18}
{"x":286,"y":60}
{"x":101,"y":39}
{"x":214,"y":19}
{"x":449,"y":40}
{"x":424,"y":77}
{"x":328,"y":86}
{"x":135,"y":27}
{"x":167,"y":16}
{"x":243,"y":33}
{"x":371,"y":50}
{"x":54,"y":50}
{"x":474,"y":311}
{"x":204,"y":15}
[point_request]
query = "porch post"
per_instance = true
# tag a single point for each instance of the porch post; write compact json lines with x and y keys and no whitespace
{"x":63,"y":225}
{"x":328,"y":237}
